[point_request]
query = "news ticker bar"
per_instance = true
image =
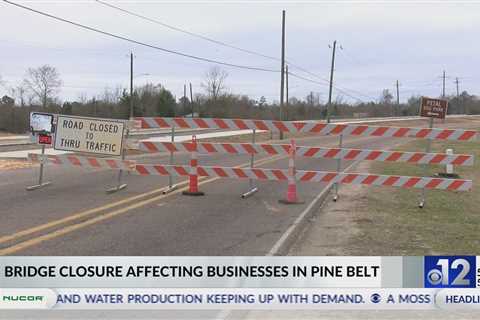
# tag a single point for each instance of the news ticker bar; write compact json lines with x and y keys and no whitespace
{"x":240,"y":272}
{"x":239,"y":299}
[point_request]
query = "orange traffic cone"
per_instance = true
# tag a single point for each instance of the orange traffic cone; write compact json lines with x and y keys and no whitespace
{"x":193,"y":185}
{"x":292,"y":183}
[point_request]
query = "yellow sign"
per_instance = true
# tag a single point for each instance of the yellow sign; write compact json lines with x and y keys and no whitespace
{"x":99,"y":136}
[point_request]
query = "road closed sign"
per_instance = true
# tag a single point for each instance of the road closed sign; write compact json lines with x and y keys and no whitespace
{"x":433,"y":108}
{"x":99,"y":136}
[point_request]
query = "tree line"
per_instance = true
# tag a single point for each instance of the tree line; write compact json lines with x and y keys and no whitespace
{"x":41,"y":86}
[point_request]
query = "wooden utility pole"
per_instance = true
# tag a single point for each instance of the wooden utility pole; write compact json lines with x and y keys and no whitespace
{"x":282,"y":71}
{"x":398,"y":94}
{"x":329,"y":107}
{"x":131,"y":85}
{"x":191,"y":98}
{"x":456,"y":82}
{"x":443,"y":91}
{"x":184,"y":104}
{"x":458,"y":97}
{"x":398,"y":99}
{"x":286,"y":89}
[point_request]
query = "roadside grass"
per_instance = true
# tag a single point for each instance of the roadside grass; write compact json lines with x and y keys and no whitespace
{"x":448,"y":224}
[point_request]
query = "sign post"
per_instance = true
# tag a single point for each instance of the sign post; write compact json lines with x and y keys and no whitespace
{"x":171,"y":187}
{"x":339,"y":166}
{"x":41,"y":126}
{"x":120,"y":185}
{"x":431,"y":108}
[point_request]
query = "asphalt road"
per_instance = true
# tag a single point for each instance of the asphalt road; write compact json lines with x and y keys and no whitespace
{"x":147,"y":222}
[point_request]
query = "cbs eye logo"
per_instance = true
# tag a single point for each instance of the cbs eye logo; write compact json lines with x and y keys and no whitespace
{"x":450,"y":271}
{"x":375,"y":298}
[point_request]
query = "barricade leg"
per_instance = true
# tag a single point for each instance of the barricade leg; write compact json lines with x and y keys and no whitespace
{"x":171,"y":186}
{"x":291,"y":197}
{"x":339,"y":167}
{"x":425,"y":166}
{"x":120,"y":185}
{"x":449,"y":172}
{"x":251,"y":183}
{"x":40,"y":176}
{"x":193,"y":185}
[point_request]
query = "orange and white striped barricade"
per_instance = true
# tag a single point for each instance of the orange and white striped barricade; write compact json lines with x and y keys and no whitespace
{"x":317,"y":127}
{"x":312,"y":152}
{"x":84,"y":162}
{"x":308,"y":176}
{"x":291,"y":197}
{"x":89,"y":163}
{"x":193,"y":175}
{"x":323,"y":128}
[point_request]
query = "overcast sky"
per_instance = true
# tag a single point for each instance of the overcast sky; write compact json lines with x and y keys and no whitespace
{"x":382,"y":41}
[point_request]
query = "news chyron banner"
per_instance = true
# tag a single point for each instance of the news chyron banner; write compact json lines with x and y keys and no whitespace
{"x":240,"y":283}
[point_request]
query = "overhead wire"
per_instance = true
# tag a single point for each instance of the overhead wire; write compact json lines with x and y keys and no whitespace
{"x":156,"y":21}
{"x":120,"y":37}
{"x":222,"y":43}
{"x":140,"y":42}
{"x":317,"y":82}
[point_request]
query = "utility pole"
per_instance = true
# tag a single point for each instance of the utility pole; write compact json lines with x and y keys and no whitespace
{"x":282,"y":71}
{"x":398,"y":99}
{"x":331,"y":83}
{"x":443,"y":91}
{"x":286,"y":89}
{"x":191,"y":98}
{"x":131,"y":85}
{"x":184,"y":104}
{"x":458,"y":97}
{"x":398,"y":94}
{"x":456,"y":82}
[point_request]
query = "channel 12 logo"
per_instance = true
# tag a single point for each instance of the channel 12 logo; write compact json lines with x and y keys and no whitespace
{"x":450,"y":271}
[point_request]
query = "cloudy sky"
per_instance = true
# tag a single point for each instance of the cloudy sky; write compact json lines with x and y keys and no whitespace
{"x":382,"y":41}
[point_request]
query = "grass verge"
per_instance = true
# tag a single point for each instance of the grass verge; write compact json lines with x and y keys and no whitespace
{"x":448,"y":224}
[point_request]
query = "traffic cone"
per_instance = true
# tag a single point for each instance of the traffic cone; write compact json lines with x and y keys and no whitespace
{"x":193,"y":185}
{"x":291,"y":197}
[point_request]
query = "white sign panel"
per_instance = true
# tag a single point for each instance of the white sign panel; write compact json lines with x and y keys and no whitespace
{"x":90,"y":135}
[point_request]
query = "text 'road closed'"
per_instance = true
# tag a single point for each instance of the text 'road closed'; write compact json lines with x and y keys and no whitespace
{"x":97,"y":136}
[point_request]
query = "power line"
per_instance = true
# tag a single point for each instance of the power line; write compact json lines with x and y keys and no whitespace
{"x":323,"y":84}
{"x":339,"y":88}
{"x":204,"y":37}
{"x":186,"y":31}
{"x":180,"y":53}
{"x":139,"y":42}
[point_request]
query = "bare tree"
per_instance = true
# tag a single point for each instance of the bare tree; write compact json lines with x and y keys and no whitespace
{"x":43,"y":82}
{"x":214,"y":83}
{"x":386,"y":97}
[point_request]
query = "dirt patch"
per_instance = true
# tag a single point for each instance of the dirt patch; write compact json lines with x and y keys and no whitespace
{"x":14,"y":164}
{"x":335,"y":230}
